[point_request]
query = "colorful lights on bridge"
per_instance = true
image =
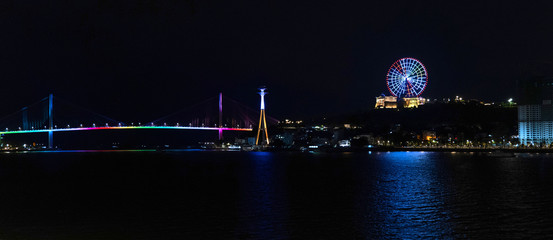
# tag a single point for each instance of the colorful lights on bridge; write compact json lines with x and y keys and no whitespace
{"x":126,"y":128}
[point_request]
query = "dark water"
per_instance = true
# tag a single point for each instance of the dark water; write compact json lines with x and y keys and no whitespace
{"x":237,"y":195}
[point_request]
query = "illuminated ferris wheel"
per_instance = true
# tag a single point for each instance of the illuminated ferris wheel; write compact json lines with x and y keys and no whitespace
{"x":407,"y":78}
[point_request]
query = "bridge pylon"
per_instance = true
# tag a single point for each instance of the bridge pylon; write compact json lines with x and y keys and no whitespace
{"x":262,"y":127}
{"x":220,"y":116}
{"x":50,"y":121}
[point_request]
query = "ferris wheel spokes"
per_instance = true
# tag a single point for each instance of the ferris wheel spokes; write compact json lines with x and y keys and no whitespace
{"x":407,"y":77}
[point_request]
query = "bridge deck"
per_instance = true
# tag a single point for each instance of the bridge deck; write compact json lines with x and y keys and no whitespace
{"x":126,"y":128}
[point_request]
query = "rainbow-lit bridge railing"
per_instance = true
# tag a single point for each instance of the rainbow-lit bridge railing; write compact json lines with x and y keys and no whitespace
{"x":123,"y":128}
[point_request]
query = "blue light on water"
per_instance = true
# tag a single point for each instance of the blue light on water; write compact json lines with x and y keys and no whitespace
{"x":411,"y":193}
{"x":261,"y":155}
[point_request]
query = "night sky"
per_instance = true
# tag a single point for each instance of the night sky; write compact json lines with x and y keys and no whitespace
{"x":139,"y":60}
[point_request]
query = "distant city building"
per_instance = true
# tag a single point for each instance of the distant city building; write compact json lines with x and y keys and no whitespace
{"x":428,"y":135}
{"x":344,"y":143}
{"x":287,"y":138}
{"x":535,"y":111}
{"x":386,"y":102}
{"x":392,"y":102}
{"x":413,"y":102}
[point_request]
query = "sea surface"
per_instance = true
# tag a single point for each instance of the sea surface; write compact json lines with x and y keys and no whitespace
{"x":274,"y":195}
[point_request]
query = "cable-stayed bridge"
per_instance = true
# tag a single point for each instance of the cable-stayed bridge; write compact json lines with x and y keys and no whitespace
{"x":50,"y":115}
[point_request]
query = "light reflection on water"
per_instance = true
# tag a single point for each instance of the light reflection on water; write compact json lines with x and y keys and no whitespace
{"x":266,"y":195}
{"x":411,"y":198}
{"x":261,"y":205}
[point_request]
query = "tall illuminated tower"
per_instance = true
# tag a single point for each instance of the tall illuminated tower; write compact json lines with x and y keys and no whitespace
{"x":262,"y":121}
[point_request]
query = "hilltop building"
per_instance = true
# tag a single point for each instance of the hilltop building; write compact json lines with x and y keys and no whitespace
{"x":392,"y":102}
{"x":385,"y":102}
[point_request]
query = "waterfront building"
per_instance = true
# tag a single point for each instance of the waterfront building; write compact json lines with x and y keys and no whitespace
{"x":535,"y":111}
{"x":428,"y":135}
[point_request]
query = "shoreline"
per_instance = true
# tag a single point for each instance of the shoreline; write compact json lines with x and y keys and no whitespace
{"x":506,"y":150}
{"x":328,"y":150}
